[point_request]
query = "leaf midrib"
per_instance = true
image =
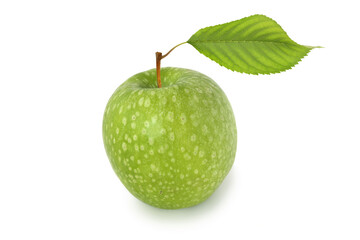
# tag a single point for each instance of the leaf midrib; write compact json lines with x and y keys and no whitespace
{"x":241,"y":41}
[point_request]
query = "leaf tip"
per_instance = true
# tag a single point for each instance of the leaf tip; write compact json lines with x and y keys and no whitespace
{"x":312,"y":47}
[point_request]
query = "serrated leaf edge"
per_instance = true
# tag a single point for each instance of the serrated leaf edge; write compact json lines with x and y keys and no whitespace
{"x":290,"y":67}
{"x":213,"y":59}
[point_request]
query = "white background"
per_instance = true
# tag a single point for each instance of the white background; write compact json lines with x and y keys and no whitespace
{"x":297,"y":169}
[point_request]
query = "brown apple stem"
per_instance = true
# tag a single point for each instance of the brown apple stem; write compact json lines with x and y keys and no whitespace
{"x":158,"y":60}
{"x":159,"y":56}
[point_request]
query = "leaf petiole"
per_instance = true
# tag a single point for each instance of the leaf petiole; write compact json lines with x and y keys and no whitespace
{"x":159,"y":56}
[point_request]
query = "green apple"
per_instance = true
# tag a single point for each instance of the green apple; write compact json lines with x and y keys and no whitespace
{"x":171,"y":146}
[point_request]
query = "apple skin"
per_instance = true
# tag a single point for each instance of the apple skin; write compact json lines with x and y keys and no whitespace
{"x":172,"y":146}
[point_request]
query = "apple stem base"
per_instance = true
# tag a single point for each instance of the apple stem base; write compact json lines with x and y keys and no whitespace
{"x":158,"y":61}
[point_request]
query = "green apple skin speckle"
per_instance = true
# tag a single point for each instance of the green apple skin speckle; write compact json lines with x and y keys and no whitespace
{"x":172,"y":146}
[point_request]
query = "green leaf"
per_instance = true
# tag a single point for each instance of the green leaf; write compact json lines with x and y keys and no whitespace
{"x":254,"y":45}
